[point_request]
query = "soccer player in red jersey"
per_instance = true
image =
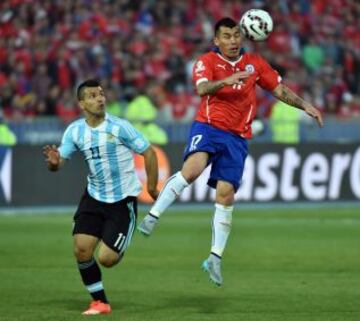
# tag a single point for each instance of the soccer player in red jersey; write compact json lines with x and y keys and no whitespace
{"x":225,"y":79}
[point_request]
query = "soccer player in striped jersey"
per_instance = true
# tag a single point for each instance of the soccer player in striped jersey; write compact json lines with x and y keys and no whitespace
{"x":107,"y":212}
{"x":225,"y":79}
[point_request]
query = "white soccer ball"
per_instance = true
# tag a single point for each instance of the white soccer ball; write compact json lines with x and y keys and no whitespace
{"x":256,"y":24}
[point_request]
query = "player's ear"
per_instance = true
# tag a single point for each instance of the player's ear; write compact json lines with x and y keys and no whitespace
{"x":216,"y":41}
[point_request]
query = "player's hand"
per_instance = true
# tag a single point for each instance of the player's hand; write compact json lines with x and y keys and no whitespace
{"x":236,"y":78}
{"x":314,"y":113}
{"x":154,"y":193}
{"x":52,"y":156}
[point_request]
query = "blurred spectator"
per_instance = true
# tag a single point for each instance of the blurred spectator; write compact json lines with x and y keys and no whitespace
{"x":313,"y":55}
{"x":41,"y":81}
{"x":48,"y":47}
{"x":142,"y":114}
{"x":66,"y":108}
{"x":285,"y":123}
{"x":183,"y":105}
{"x":7,"y":137}
{"x":113,"y":105}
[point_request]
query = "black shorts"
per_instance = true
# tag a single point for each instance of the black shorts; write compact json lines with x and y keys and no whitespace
{"x":114,"y":223}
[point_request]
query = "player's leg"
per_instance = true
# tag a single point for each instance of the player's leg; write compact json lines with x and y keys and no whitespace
{"x":84,"y":247}
{"x":118,"y":229}
{"x":193,"y":166}
{"x":87,"y":233}
{"x":191,"y":170}
{"x":196,"y":156}
{"x":221,"y":227}
{"x":225,"y":176}
{"x":222,"y":217}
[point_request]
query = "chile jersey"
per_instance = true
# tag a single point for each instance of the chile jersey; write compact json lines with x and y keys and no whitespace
{"x":108,"y":152}
{"x":232,"y":108}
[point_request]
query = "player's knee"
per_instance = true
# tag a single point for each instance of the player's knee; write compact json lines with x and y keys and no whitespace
{"x":225,"y":194}
{"x":194,"y":166}
{"x":190,"y":177}
{"x":191,"y":174}
{"x":225,"y":199}
{"x":83,"y":253}
{"x":108,"y":260}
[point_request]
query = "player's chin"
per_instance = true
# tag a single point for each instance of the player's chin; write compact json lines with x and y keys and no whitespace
{"x":99,"y":114}
{"x":233,"y":53}
{"x":100,"y":111}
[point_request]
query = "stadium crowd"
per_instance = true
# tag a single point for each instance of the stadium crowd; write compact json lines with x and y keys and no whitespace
{"x":148,"y":48}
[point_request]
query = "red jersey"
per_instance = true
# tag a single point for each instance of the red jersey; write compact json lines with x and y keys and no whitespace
{"x":232,"y":108}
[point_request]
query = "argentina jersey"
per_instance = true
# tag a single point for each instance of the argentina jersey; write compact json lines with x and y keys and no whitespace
{"x":108,"y":152}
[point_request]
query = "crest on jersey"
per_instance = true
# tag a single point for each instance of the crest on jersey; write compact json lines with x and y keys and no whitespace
{"x":199,"y":66}
{"x":249,"y":68}
{"x":110,"y":138}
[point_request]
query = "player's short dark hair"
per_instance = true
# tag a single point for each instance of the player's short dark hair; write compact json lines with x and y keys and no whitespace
{"x":85,"y":84}
{"x":225,"y":22}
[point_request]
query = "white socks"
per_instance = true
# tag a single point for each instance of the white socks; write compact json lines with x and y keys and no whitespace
{"x":221,"y":227}
{"x":172,"y":189}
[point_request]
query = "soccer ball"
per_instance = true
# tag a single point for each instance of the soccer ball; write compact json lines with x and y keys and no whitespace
{"x":256,"y":24}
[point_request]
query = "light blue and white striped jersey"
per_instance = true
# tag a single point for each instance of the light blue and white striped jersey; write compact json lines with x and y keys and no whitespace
{"x":107,"y":151}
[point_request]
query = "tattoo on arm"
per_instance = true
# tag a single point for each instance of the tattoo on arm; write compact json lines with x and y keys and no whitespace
{"x":286,"y":95}
{"x":209,"y":87}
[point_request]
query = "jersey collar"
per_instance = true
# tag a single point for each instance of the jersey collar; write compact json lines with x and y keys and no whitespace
{"x":233,"y":63}
{"x":101,"y":125}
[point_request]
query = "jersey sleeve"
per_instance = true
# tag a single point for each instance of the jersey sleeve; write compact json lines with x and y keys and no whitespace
{"x":132,"y":138}
{"x":269,"y":78}
{"x":67,"y":147}
{"x":202,"y":71}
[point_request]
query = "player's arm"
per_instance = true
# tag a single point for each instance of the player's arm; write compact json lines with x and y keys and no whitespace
{"x":286,"y":95}
{"x":52,"y":158}
{"x":209,"y":87}
{"x":152,"y":171}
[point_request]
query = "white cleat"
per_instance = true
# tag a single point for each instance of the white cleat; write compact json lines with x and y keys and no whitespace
{"x":212,"y":265}
{"x":148,"y":224}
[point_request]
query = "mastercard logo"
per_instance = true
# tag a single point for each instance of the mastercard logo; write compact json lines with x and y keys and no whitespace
{"x":164,"y":173}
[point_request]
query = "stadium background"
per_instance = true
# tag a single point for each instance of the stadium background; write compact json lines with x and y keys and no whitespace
{"x":143,"y":52}
{"x":294,"y":250}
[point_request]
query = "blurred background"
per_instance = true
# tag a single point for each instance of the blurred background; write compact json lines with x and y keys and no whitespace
{"x":143,"y":52}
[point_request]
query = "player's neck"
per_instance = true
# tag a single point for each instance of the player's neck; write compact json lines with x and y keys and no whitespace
{"x":94,"y":121}
{"x":232,"y":59}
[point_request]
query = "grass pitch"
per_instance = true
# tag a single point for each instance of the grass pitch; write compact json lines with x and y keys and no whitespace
{"x":281,"y":265}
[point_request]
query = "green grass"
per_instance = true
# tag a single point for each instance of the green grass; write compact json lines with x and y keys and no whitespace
{"x":279,"y":265}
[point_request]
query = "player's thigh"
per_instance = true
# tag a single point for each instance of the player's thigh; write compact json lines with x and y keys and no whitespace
{"x":199,"y":146}
{"x":228,"y":166}
{"x":88,"y":221}
{"x":107,"y":256}
{"x":89,"y":216}
{"x":84,"y":246}
{"x":194,"y":165}
{"x":119,"y":225}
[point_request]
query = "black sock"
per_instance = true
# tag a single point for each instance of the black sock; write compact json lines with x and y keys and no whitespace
{"x":91,"y":276}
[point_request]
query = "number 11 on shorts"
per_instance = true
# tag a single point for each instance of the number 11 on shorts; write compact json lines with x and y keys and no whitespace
{"x":119,"y":241}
